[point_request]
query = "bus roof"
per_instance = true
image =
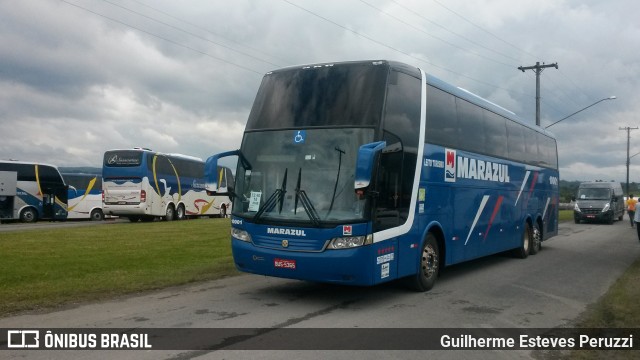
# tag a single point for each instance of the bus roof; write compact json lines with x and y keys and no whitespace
{"x":28,"y":163}
{"x":174,"y":155}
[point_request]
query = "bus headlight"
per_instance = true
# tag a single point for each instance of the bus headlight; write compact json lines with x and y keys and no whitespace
{"x":606,"y":207}
{"x":350,"y":242}
{"x":240,"y":235}
{"x":576,"y":207}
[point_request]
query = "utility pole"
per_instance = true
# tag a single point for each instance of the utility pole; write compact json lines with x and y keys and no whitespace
{"x":537,"y":68}
{"x":628,"y":128}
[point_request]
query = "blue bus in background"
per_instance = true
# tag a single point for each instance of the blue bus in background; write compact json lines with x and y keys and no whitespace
{"x":364,"y":172}
{"x":84,"y":196}
{"x":141,"y":184}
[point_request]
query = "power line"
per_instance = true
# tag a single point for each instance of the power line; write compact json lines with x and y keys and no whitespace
{"x":484,"y":30}
{"x":164,"y":39}
{"x":190,"y":33}
{"x":434,"y":36}
{"x":416,"y":13}
{"x":209,"y":31}
{"x":398,"y":50}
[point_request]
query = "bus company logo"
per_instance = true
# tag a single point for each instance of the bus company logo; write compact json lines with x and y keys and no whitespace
{"x":462,"y":167}
{"x":281,"y":231}
{"x":112,"y":160}
{"x":197,"y":185}
{"x":347,"y":230}
{"x":450,"y":165}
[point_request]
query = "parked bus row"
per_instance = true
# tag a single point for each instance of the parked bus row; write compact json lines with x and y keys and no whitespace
{"x":140,"y":185}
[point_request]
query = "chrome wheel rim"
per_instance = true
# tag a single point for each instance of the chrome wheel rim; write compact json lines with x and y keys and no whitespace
{"x":429,"y":262}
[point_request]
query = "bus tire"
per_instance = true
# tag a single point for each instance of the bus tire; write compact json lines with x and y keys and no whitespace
{"x":169,"y":213}
{"x":180,"y":214}
{"x":429,"y":265}
{"x":97,"y":215}
{"x":525,"y":246}
{"x":28,"y":215}
{"x":536,"y":240}
{"x":134,"y":218}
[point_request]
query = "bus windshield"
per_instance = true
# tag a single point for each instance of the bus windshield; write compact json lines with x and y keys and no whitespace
{"x":300,"y":176}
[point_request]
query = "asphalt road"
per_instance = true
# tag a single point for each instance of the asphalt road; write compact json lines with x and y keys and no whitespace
{"x":550,"y":289}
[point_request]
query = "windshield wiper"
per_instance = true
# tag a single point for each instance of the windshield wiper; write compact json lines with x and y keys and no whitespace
{"x":276,"y":198}
{"x":306,"y":203}
{"x":335,"y":186}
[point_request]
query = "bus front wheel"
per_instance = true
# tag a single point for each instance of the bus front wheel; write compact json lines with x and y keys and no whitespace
{"x":169,"y":214}
{"x":429,"y":265}
{"x":28,"y":215}
{"x":97,"y":215}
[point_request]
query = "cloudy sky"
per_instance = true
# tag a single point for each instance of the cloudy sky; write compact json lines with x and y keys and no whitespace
{"x":79,"y":77}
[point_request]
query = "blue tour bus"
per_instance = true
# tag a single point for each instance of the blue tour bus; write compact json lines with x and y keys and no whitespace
{"x":364,"y":172}
{"x":141,"y":184}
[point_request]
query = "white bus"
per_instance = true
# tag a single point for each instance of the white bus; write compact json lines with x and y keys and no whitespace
{"x":141,"y":184}
{"x":31,"y":191}
{"x":84,"y":196}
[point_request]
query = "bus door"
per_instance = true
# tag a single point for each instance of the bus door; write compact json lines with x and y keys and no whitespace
{"x":8,"y":189}
{"x":48,"y":203}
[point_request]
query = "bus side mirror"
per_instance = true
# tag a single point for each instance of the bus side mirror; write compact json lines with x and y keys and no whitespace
{"x":365,"y":163}
{"x":217,"y":181}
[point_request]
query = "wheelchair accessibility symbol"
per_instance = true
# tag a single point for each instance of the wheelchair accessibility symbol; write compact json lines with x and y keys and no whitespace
{"x":300,"y":137}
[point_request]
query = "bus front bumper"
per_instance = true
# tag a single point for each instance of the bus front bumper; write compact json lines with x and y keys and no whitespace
{"x":357,"y":266}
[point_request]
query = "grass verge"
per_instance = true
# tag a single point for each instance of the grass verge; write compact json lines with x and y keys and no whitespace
{"x":47,"y":268}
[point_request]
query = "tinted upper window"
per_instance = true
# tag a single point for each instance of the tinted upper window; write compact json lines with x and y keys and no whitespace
{"x":458,"y":123}
{"x":81,"y":181}
{"x":120,"y":158}
{"x":470,"y":126}
{"x":332,"y":95}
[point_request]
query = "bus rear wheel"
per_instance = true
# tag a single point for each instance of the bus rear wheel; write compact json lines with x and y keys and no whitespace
{"x":429,"y":265}
{"x":180,"y":214}
{"x":28,"y":215}
{"x":525,"y":247}
{"x":536,"y":240}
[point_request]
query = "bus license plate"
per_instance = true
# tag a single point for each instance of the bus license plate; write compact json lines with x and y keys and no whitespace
{"x":284,"y":263}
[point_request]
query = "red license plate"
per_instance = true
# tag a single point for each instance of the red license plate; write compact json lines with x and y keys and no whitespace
{"x":284,"y":263}
{"x":591,"y":216}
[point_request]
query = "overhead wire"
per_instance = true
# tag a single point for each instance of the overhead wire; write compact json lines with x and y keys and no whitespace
{"x":427,"y":61}
{"x":511,"y":45}
{"x":471,"y":41}
{"x":190,"y":33}
{"x":485,"y":30}
{"x":163,"y":38}
{"x":171,"y":16}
